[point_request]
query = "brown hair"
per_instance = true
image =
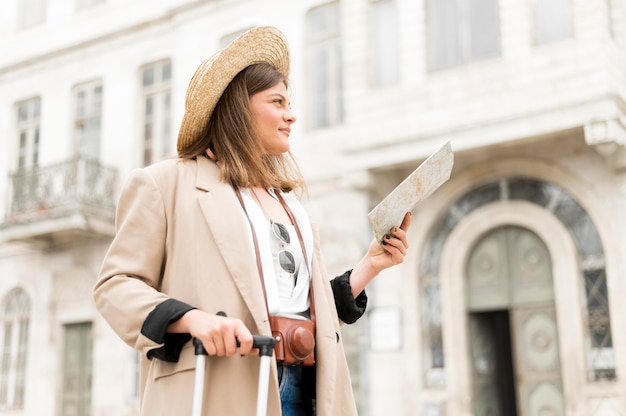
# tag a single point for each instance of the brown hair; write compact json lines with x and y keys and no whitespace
{"x":231,"y":136}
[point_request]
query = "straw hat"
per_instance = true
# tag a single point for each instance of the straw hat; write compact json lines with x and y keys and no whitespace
{"x":260,"y":45}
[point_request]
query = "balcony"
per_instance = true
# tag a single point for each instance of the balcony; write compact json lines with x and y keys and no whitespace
{"x":61,"y":203}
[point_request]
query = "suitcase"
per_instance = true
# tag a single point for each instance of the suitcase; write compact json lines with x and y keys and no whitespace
{"x":264,"y":344}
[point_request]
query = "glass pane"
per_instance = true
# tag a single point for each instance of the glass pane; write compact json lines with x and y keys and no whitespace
{"x":36,"y":108}
{"x":36,"y":148}
{"x":147,"y":157}
{"x":598,"y":308}
{"x":5,"y":365}
{"x":320,"y":84}
{"x":147,"y":144}
{"x":444,"y":36}
{"x":431,"y":313}
{"x":22,"y":112}
{"x":480,"y":196}
{"x":81,"y":103}
{"x":15,"y":320}
{"x":77,"y":370}
{"x":148,"y":76}
{"x":602,"y":357}
{"x":147,"y":134}
{"x":97,"y":100}
{"x":553,"y":20}
{"x":384,"y":42}
{"x":484,"y":29}
{"x":529,"y":190}
{"x":89,"y":138}
{"x":325,"y":81}
{"x":167,"y":71}
{"x":166,"y":125}
{"x":167,"y":143}
{"x":432,"y":254}
{"x":580,"y":225}
{"x":20,"y":371}
{"x":22,"y":142}
{"x":148,"y":106}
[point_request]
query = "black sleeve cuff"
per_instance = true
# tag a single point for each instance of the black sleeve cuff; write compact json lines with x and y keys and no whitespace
{"x":155,"y":329}
{"x":349,"y":308}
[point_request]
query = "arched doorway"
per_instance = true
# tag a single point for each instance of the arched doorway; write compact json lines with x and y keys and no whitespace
{"x":580,"y":286}
{"x":512,"y":328}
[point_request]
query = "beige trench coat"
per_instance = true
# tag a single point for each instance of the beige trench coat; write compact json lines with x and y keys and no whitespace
{"x":181,"y":233}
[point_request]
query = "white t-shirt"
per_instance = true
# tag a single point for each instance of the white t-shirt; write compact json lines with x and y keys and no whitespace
{"x":287,"y":293}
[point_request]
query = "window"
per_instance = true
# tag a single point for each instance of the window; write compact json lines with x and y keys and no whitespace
{"x":384,"y":41}
{"x":462,"y":31}
{"x":553,"y":20}
{"x":85,"y":4}
{"x":15,"y":310}
{"x":156,"y":104}
{"x":77,"y":365}
{"x":87,"y":119}
{"x":31,"y":13}
{"x":325,"y":80}
{"x":28,"y":113}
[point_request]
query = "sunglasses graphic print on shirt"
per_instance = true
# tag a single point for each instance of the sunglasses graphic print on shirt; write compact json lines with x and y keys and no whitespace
{"x":283,"y":253}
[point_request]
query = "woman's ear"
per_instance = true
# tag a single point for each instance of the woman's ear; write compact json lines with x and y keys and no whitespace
{"x":210,"y":154}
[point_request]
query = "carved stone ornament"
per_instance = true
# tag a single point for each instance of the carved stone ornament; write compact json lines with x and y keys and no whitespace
{"x":608,"y":138}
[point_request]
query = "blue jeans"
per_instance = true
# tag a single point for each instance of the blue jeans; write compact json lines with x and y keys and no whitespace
{"x":291,"y":394}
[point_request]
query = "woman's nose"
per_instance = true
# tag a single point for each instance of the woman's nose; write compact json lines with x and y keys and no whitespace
{"x":290,"y":116}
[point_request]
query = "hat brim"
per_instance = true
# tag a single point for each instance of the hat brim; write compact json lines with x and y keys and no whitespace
{"x":259,"y":45}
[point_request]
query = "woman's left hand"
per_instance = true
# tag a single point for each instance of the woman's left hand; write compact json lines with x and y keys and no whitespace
{"x":392,"y":249}
{"x":381,"y":255}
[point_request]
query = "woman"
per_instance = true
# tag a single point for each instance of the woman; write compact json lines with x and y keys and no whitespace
{"x":219,"y":229}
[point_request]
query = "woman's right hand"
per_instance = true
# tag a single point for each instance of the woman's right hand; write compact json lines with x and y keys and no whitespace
{"x":219,"y":334}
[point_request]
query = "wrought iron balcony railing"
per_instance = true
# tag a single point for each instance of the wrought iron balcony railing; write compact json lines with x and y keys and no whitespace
{"x":61,"y":199}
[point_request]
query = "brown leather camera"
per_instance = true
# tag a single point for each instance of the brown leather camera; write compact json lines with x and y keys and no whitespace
{"x":296,"y":340}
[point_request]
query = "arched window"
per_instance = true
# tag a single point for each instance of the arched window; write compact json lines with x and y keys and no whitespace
{"x":601,"y":363}
{"x":15,"y":315}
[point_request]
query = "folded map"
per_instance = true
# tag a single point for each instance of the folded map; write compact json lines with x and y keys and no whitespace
{"x":422,"y":182}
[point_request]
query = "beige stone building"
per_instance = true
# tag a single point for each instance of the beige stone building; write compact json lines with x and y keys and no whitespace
{"x":511,"y":300}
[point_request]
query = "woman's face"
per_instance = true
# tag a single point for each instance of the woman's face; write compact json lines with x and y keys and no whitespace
{"x":272,"y":117}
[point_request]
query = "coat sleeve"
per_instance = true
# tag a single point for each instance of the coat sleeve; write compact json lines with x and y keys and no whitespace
{"x":127,"y":291}
{"x":349,"y":308}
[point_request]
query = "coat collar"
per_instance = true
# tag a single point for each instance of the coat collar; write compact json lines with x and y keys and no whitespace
{"x":227,"y":222}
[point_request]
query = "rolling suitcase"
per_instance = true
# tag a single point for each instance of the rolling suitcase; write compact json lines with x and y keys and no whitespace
{"x":264,"y":344}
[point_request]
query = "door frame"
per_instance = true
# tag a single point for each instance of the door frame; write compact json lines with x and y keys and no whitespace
{"x":567,"y":296}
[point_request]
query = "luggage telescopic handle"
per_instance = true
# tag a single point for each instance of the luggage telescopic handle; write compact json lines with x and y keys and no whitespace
{"x":263,"y":343}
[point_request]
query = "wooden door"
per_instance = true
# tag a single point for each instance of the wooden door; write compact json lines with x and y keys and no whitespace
{"x":515,"y":366}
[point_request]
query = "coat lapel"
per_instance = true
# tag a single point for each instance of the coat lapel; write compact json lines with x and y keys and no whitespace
{"x":228,"y":223}
{"x":327,"y":331}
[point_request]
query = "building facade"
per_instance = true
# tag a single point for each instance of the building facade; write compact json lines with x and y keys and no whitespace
{"x":510,"y":301}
